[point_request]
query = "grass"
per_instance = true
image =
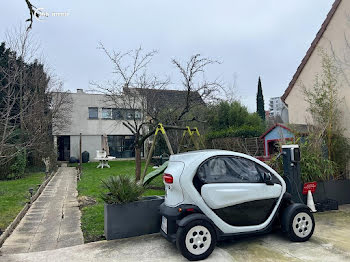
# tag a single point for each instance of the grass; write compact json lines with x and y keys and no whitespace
{"x":14,"y":194}
{"x":92,"y":221}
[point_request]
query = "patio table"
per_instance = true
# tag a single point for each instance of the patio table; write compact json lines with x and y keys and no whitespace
{"x":104,"y":161}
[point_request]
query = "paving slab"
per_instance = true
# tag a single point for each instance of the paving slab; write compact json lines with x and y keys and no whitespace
{"x":146,"y":248}
{"x":330,"y":242}
{"x":53,"y":220}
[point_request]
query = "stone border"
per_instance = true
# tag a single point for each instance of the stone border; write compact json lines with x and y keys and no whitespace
{"x":24,"y":210}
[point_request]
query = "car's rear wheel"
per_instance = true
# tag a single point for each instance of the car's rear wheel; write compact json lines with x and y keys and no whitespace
{"x":301,"y":225}
{"x":196,"y":240}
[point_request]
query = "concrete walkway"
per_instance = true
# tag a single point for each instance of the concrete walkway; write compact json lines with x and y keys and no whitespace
{"x":53,"y":221}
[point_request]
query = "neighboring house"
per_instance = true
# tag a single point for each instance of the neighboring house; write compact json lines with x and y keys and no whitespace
{"x":331,"y":38}
{"x":94,"y":117}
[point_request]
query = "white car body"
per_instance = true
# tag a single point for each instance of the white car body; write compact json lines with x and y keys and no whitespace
{"x":220,"y":195}
{"x":213,"y":195}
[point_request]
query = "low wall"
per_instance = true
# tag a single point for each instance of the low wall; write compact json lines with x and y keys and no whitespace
{"x":334,"y":189}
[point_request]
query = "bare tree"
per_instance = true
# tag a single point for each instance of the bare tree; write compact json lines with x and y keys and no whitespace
{"x":27,"y":106}
{"x":130,"y":92}
{"x":143,"y":95}
{"x":198,"y":89}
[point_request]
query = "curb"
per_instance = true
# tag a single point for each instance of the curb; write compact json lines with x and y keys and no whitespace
{"x":24,"y":210}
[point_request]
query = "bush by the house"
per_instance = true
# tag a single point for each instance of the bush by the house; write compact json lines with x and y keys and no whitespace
{"x":313,"y":164}
{"x":324,"y":106}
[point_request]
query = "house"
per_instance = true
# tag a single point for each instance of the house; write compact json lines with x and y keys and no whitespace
{"x":332,"y":39}
{"x":94,"y":116}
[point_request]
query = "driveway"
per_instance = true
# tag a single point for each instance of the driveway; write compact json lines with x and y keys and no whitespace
{"x":330,"y":242}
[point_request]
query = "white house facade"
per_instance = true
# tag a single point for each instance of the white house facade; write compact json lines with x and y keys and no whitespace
{"x":93,"y":117}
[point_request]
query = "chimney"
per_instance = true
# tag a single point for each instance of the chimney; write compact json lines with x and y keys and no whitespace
{"x":80,"y":91}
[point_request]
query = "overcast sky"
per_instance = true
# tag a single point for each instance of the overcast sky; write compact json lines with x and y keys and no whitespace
{"x":251,"y":37}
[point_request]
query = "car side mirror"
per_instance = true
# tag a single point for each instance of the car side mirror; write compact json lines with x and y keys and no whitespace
{"x":267,"y":178}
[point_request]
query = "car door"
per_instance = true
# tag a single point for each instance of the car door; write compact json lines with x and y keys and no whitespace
{"x":234,"y":188}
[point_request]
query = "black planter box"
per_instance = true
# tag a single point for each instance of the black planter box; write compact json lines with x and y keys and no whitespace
{"x":338,"y":190}
{"x":132,"y":219}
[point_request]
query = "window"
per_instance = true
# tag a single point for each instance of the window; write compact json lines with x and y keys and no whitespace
{"x":137,"y":114}
{"x":93,"y":113}
{"x":121,"y":146}
{"x":229,"y":170}
{"x":130,"y":114}
{"x":117,"y":114}
{"x":106,"y":113}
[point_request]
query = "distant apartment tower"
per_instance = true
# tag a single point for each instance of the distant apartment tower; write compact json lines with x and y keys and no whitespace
{"x":278,"y":108}
{"x":275,"y":106}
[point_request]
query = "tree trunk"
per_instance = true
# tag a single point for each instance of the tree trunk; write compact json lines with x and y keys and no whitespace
{"x":137,"y":163}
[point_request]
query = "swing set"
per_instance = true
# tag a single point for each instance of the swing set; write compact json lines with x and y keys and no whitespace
{"x":191,"y":140}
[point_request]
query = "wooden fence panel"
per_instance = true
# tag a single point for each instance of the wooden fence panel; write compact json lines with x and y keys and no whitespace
{"x":253,"y":146}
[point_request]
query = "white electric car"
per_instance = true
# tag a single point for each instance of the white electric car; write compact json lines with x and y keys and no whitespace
{"x":212,"y":195}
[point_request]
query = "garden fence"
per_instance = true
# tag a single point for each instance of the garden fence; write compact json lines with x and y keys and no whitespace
{"x":253,"y":146}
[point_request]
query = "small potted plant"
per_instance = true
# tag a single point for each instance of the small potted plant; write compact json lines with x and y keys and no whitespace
{"x":126,"y":213}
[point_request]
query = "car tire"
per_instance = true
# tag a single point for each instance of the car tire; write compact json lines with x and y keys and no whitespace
{"x":196,"y":240}
{"x":301,"y":225}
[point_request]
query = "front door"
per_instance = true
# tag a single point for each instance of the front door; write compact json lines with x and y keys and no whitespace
{"x":63,"y":146}
{"x":233,"y":188}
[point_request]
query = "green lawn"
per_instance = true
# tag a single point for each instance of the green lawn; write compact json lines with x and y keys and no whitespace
{"x":90,"y":185}
{"x":14,"y":194}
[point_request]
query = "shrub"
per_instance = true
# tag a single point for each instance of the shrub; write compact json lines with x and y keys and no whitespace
{"x":19,"y":165}
{"x":121,"y":189}
{"x":232,"y":119}
{"x":314,"y":166}
{"x":231,"y":115}
{"x":242,"y":131}
{"x":324,"y":106}
{"x":341,"y":154}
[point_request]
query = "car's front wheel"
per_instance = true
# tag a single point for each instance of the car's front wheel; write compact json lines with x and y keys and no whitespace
{"x":196,"y":240}
{"x":301,"y":225}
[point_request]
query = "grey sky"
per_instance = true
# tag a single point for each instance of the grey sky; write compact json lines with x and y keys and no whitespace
{"x":251,"y":38}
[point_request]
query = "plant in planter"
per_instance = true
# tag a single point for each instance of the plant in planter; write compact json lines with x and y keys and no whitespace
{"x":121,"y":189}
{"x":126,"y":213}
